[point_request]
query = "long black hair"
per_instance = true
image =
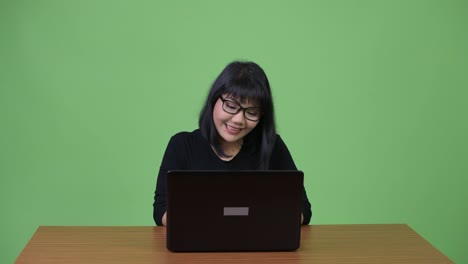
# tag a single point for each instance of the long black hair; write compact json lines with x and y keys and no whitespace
{"x":245,"y":81}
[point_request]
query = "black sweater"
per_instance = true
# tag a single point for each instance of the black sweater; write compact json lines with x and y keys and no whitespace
{"x":191,"y":151}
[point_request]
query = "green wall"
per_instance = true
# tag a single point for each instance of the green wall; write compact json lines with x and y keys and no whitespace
{"x":371,"y":98}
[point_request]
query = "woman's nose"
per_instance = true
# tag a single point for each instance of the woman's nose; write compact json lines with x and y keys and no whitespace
{"x":239,"y":117}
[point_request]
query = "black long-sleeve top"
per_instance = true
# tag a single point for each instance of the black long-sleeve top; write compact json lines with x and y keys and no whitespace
{"x":191,"y":151}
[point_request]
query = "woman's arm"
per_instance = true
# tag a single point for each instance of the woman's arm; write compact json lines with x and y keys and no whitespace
{"x":281,"y":159}
{"x":172,"y":160}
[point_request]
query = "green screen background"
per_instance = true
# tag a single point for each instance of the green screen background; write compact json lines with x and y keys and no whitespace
{"x":371,"y":99}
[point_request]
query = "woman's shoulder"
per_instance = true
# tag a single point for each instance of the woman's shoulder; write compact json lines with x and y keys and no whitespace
{"x":279,"y":142}
{"x":277,"y":138}
{"x":186,"y":136}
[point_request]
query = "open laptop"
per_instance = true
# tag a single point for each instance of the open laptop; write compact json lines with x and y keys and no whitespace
{"x":234,"y":210}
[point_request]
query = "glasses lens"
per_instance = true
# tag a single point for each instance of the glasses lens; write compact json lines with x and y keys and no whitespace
{"x":252,"y":114}
{"x":231,"y":107}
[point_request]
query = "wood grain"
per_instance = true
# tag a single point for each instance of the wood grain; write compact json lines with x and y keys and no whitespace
{"x":319,"y":244}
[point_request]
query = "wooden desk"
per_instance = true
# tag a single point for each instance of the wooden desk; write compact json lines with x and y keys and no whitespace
{"x":319,"y":244}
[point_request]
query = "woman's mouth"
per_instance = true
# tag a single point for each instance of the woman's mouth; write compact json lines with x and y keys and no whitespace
{"x":233,"y":130}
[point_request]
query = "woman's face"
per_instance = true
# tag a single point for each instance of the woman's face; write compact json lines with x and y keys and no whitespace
{"x":232,"y":128}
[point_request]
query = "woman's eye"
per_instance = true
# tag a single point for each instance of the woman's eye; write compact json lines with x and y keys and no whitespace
{"x":231,"y":105}
{"x":253,"y":113}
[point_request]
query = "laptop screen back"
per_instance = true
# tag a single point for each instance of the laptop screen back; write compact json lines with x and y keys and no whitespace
{"x":234,"y":210}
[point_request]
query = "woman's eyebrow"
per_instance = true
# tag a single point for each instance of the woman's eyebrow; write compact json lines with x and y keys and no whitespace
{"x":250,"y":105}
{"x":245,"y":104}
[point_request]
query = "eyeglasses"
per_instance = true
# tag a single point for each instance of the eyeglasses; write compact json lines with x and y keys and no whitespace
{"x":232,"y":107}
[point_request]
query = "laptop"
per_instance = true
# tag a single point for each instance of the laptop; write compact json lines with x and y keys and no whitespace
{"x":234,"y":210}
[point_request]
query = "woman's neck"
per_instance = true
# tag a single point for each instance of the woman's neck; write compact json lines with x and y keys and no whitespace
{"x":231,"y":149}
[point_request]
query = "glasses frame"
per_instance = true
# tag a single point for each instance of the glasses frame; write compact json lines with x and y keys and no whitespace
{"x":240,"y":109}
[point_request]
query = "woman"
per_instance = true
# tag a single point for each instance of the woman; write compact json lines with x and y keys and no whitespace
{"x":236,"y":132}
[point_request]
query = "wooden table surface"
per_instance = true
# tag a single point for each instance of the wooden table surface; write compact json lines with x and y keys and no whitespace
{"x":146,"y":244}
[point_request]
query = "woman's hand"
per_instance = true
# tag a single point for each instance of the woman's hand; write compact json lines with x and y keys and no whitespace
{"x":164,"y":219}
